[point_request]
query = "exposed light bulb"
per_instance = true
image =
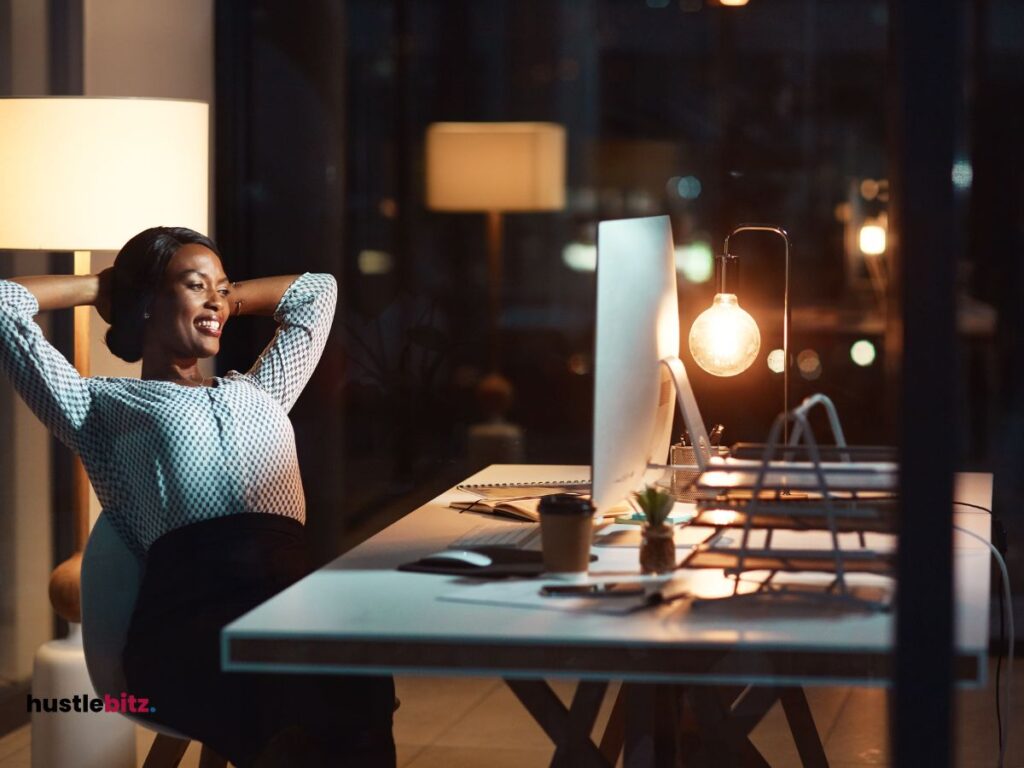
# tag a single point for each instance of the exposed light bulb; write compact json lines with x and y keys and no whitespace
{"x":872,"y":239}
{"x":724,"y":339}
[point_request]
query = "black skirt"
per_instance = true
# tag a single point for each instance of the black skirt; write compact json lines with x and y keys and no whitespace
{"x":203,"y":576}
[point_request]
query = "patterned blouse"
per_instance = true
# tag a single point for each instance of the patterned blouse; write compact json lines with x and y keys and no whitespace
{"x":162,"y":455}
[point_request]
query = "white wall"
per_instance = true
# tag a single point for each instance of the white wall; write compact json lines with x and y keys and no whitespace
{"x":149,"y":48}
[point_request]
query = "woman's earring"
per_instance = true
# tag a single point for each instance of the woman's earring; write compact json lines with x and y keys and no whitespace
{"x":145,"y":315}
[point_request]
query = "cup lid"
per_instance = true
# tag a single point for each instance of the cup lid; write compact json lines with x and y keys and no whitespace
{"x":565,"y":504}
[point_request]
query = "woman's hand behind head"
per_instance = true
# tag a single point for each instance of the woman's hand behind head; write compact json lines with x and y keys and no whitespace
{"x":102,"y":303}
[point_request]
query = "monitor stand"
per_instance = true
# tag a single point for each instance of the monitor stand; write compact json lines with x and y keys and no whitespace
{"x":691,"y":413}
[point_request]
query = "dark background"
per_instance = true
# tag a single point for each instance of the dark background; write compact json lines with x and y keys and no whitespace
{"x":779,"y":109}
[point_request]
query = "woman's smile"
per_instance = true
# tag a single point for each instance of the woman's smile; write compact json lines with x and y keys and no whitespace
{"x":189,"y":316}
{"x":209,"y":325}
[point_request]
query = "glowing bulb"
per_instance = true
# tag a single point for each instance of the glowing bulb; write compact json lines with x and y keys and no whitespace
{"x":776,"y":361}
{"x":872,"y":240}
{"x":724,"y":339}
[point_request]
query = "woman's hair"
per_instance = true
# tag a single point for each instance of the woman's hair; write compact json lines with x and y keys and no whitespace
{"x":138,"y":274}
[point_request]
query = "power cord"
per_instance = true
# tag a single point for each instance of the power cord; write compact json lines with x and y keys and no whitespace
{"x":1006,"y":613}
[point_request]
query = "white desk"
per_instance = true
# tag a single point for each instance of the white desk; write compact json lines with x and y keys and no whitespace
{"x":358,"y":615}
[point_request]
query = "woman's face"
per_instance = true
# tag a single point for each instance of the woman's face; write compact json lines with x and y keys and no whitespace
{"x":188,"y":316}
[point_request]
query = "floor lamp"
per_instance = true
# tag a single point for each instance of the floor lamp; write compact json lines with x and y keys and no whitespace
{"x":495,"y":168}
{"x":85,"y":174}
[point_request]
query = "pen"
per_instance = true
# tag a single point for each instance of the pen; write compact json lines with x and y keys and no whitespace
{"x":659,"y":598}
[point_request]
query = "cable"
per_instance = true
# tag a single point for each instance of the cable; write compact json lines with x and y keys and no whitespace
{"x":974,"y":506}
{"x":999,"y":540}
{"x":1004,"y":735}
{"x":999,"y":663}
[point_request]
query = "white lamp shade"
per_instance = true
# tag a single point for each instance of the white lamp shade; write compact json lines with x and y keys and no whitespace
{"x":88,"y":173}
{"x":495,"y":166}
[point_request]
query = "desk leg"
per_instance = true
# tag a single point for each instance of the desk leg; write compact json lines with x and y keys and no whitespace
{"x":586,"y":703}
{"x":725,"y":718}
{"x":651,"y":717}
{"x":568,"y":729}
{"x":615,"y":730}
{"x":801,"y":724}
{"x":724,"y":721}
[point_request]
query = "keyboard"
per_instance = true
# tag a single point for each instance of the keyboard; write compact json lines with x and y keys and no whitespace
{"x":514,"y":535}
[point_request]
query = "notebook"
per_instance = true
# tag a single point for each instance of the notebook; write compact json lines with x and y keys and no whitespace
{"x":524,"y":510}
{"x":526,"y":489}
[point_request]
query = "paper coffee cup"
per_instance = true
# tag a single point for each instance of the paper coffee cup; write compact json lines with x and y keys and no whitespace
{"x":566,"y":528}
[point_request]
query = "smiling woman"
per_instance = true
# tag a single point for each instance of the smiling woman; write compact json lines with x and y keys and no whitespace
{"x":201,"y":480}
{"x":139,"y":280}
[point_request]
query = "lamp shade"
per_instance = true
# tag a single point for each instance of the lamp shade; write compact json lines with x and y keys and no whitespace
{"x":88,"y":173}
{"x":495,"y":166}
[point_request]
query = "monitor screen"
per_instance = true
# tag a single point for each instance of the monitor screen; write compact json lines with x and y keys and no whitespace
{"x":637,"y":328}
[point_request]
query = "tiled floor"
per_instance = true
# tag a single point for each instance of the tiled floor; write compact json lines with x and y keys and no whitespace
{"x":470,"y":722}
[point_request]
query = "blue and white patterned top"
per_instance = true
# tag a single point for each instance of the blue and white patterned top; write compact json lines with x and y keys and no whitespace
{"x":162,"y":455}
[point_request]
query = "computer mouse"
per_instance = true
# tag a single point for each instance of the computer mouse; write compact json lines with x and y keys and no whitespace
{"x":457,"y":558}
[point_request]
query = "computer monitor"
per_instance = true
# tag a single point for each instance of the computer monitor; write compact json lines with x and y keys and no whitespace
{"x":636,"y":359}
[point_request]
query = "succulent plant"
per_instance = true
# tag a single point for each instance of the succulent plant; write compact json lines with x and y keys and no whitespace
{"x":655,"y":504}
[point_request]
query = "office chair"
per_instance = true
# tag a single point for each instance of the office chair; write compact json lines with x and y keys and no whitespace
{"x":111,"y":576}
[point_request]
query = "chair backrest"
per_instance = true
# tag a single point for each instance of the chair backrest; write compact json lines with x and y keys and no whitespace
{"x":111,"y":574}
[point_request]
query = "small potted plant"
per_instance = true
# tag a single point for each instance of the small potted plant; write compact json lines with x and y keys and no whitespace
{"x":657,"y":549}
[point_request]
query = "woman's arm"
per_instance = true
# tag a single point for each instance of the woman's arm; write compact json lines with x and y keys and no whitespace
{"x":259,"y":296}
{"x":304,"y":311}
{"x":43,"y":376}
{"x":66,"y":291}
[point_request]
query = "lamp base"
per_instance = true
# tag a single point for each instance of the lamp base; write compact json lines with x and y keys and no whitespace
{"x":62,"y":738}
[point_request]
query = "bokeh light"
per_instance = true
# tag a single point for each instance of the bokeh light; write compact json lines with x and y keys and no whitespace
{"x":776,"y":361}
{"x":809,"y":364}
{"x":963,"y":174}
{"x":689,"y":187}
{"x":695,"y":261}
{"x":580,"y":257}
{"x":374,"y":262}
{"x":869,"y":189}
{"x":863,"y":352}
{"x":872,"y":240}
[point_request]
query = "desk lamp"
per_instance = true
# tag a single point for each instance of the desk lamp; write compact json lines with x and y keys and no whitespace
{"x":85,"y":174}
{"x":495,"y":168}
{"x":724,"y":339}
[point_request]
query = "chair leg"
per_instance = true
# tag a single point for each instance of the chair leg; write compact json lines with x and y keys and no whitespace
{"x":210,"y":759}
{"x":166,"y":752}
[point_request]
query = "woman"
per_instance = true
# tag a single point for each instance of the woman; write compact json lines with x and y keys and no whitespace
{"x":200,"y":478}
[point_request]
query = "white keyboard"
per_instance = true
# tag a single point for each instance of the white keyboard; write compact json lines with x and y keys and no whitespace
{"x":515,"y":535}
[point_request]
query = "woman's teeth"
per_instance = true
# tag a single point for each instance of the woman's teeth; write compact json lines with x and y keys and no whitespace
{"x":210,"y":326}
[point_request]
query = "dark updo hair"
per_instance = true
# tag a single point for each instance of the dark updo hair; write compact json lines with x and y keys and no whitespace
{"x":138,"y":273}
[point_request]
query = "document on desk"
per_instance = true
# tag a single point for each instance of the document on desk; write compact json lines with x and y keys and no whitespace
{"x":526,"y":594}
{"x":526,"y":490}
{"x":523,"y":509}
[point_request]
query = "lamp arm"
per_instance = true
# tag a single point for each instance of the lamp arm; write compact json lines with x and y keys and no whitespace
{"x":785,"y":301}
